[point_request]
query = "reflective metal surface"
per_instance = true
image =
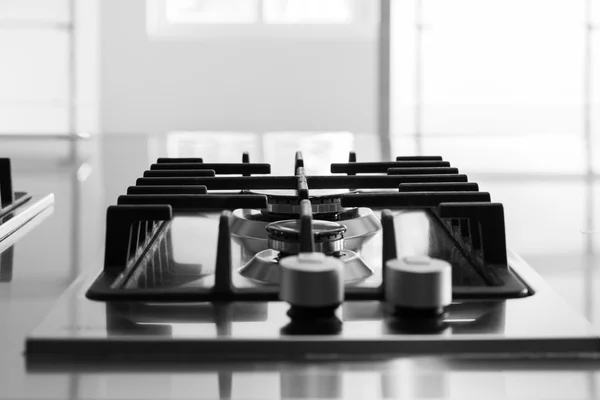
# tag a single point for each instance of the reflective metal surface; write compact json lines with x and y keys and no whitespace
{"x":263,"y":267}
{"x":500,"y":327}
{"x":20,"y":216}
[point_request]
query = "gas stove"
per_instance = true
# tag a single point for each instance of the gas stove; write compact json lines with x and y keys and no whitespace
{"x":215,"y":260}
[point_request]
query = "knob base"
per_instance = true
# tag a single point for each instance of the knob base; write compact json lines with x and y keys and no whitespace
{"x":410,"y":312}
{"x":418,"y":323}
{"x":300,"y":313}
{"x":325,"y":326}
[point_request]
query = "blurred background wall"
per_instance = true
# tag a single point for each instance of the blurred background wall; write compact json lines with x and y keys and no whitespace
{"x":230,"y":80}
{"x":482,"y":81}
{"x":49,"y":66}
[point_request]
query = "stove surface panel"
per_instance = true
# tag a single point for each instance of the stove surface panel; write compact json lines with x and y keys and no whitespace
{"x":78,"y":327}
{"x":195,"y":274}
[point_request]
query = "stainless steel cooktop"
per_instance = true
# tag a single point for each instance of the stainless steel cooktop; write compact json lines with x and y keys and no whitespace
{"x":223,"y":260}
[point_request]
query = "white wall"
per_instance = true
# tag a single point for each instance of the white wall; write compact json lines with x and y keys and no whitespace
{"x":45,"y":44}
{"x":33,"y":66}
{"x":240,"y":84}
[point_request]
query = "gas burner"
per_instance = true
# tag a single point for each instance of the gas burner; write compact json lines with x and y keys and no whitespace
{"x":433,"y":275}
{"x":285,"y":203}
{"x":249,"y":227}
{"x":285,"y":240}
{"x":284,"y":236}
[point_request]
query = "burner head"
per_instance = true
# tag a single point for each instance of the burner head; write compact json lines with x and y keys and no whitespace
{"x":248,"y":227}
{"x":284,"y":236}
{"x":286,"y":202}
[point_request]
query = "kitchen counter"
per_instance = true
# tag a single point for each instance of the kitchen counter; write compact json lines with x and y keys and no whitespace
{"x":86,"y":176}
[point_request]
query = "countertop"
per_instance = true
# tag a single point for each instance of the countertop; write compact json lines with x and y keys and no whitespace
{"x":550,"y":222}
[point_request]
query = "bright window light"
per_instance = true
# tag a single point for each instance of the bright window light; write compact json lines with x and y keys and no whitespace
{"x":319,"y":149}
{"x":247,"y":11}
{"x":307,"y":11}
{"x":217,"y":146}
{"x":277,"y":19}
{"x":212,"y":11}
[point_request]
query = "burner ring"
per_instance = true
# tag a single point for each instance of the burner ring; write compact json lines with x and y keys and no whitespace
{"x":291,"y":248}
{"x":248,"y":227}
{"x":286,"y":201}
{"x":284,"y":236}
{"x":281,"y":207}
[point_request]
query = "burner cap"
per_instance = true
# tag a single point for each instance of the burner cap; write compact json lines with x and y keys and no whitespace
{"x":286,"y":201}
{"x":284,"y":236}
{"x":289,"y":230}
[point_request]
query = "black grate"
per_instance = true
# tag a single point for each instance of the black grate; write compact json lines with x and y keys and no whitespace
{"x":472,"y":225}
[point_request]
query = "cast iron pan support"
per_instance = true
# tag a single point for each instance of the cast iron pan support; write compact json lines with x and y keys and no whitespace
{"x":480,"y":229}
{"x":246,"y":160}
{"x":307,"y":240}
{"x":389,"y":242}
{"x":352,"y":159}
{"x":121,"y":239}
{"x":486,"y":229}
{"x":6,"y":190}
{"x":298,"y":162}
{"x":302,"y":184}
{"x":223,"y":280}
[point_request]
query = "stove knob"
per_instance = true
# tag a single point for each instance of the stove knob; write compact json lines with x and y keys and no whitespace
{"x":418,"y":286}
{"x":312,"y":283}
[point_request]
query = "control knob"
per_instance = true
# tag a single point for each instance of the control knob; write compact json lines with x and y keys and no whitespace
{"x":418,"y":289}
{"x":312,"y":283}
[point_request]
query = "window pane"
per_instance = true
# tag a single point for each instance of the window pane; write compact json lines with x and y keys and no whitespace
{"x":318,"y":149}
{"x":34,"y":66}
{"x":33,"y":78}
{"x":510,"y":70}
{"x":403,"y":66}
{"x":212,"y":11}
{"x":32,"y":118}
{"x":488,"y":67}
{"x":546,"y":154}
{"x":214,"y":146}
{"x":541,"y":217}
{"x":595,"y":96}
{"x":595,"y":11}
{"x":594,"y":209}
{"x":503,"y":66}
{"x":45,"y":10}
{"x":307,"y":11}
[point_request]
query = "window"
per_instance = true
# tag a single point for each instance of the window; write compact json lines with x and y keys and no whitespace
{"x":484,"y":82}
{"x":277,"y":148}
{"x":35,"y":72}
{"x":211,"y":11}
{"x":308,"y":11}
{"x":260,"y":18}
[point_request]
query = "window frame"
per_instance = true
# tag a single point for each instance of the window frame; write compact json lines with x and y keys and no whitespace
{"x":363,"y":27}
